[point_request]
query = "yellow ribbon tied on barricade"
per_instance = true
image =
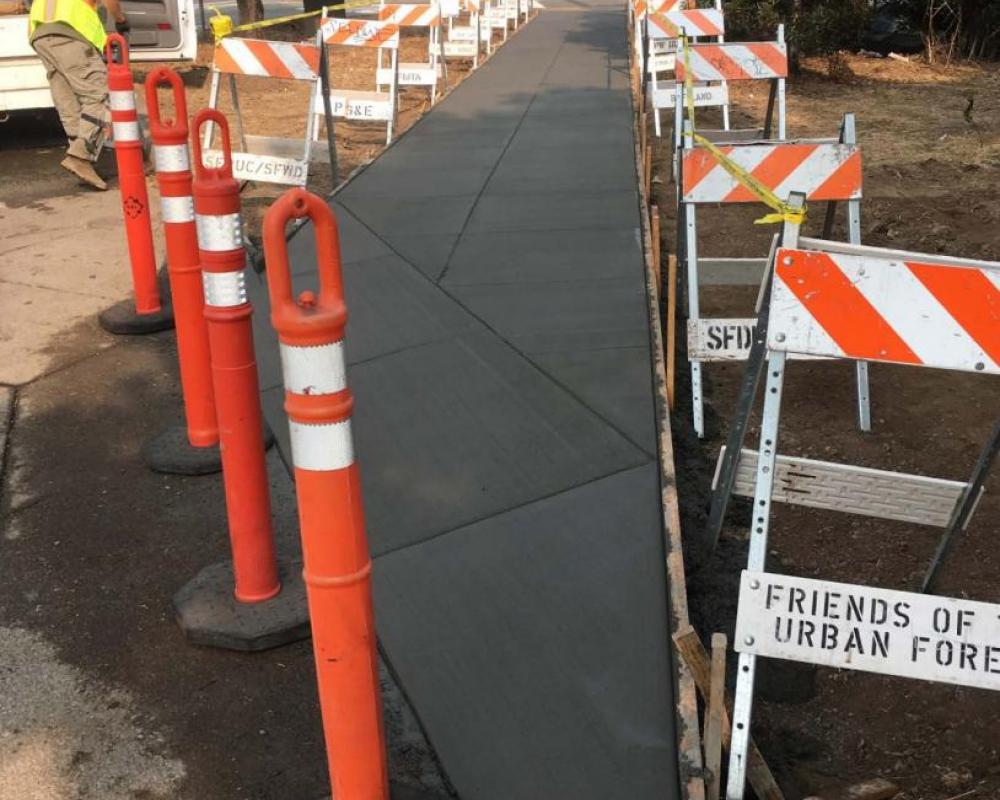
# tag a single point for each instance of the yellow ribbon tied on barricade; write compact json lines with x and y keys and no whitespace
{"x":783,"y":212}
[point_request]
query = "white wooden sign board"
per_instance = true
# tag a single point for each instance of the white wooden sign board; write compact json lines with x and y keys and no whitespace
{"x":843,"y":625}
{"x":267,"y":169}
{"x":704,"y":96}
{"x":370,"y":106}
{"x":408,"y":76}
{"x":720,"y":339}
{"x":461,"y":49}
{"x":462,"y":33}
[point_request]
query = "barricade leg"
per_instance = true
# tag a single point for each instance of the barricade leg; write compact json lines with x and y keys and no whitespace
{"x":149,"y":311}
{"x":267,"y":607}
{"x":189,"y":448}
{"x":328,"y":487}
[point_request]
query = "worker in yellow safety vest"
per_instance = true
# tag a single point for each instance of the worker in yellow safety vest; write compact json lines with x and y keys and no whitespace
{"x":69,"y":37}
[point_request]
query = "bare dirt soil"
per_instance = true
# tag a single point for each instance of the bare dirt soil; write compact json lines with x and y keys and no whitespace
{"x":931,"y":175}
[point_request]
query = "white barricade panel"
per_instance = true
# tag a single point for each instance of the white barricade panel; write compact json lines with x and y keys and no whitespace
{"x":358,"y":105}
{"x":410,"y":75}
{"x":866,"y":628}
{"x":266,"y":169}
{"x":360,"y":33}
{"x":877,"y":305}
{"x":822,"y":171}
{"x":704,"y":96}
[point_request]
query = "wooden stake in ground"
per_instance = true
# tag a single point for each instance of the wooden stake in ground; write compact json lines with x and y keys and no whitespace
{"x":642,"y":133}
{"x":713,"y":722}
{"x":654,"y":234}
{"x":693,"y":652}
{"x":671,"y":327}
{"x":647,"y":174}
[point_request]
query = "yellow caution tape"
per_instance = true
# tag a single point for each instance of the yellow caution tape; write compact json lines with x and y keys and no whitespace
{"x":783,"y":211}
{"x":267,"y":23}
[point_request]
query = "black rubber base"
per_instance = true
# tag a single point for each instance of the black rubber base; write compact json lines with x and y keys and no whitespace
{"x":210,"y":615}
{"x":121,"y":319}
{"x":171,"y":453}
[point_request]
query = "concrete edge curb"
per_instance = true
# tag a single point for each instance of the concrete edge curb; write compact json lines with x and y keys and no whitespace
{"x":689,"y":758}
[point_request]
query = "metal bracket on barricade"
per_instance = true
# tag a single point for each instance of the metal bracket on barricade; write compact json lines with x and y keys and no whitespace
{"x":839,"y":300}
{"x":266,"y":158}
{"x":663,"y":40}
{"x":828,"y":170}
{"x":353,"y":104}
{"x":416,"y":73}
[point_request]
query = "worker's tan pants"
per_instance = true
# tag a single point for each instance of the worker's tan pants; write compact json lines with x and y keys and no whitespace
{"x":78,"y":81}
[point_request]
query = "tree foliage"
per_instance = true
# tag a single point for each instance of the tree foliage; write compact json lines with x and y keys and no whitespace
{"x":951,"y":28}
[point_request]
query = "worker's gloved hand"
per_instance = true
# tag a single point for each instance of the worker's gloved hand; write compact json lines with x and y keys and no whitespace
{"x":123,"y":26}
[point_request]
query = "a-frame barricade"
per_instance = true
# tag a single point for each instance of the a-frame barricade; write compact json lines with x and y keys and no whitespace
{"x":360,"y":105}
{"x":829,"y":299}
{"x":416,"y":73}
{"x":267,"y":159}
{"x":464,"y":38}
{"x":663,"y":32}
{"x":638,"y":11}
{"x":827,"y":170}
{"x":732,"y":61}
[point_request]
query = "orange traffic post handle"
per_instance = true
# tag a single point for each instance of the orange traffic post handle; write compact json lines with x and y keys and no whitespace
{"x":147,"y":313}
{"x":191,"y":448}
{"x":258,"y":613}
{"x":328,"y":487}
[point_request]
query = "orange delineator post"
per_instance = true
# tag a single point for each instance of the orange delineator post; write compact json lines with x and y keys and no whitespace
{"x":334,"y":545}
{"x":132,"y":176}
{"x":173,"y":176}
{"x":234,"y":370}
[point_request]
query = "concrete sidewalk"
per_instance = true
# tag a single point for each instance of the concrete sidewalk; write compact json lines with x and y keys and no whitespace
{"x":498,"y":350}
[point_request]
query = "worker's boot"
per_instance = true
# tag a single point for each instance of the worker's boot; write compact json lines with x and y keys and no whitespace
{"x":84,"y":170}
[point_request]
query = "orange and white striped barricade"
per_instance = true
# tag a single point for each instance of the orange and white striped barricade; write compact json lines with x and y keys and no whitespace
{"x":663,"y":34}
{"x":359,"y":105}
{"x":639,"y":10}
{"x":731,"y":61}
{"x":416,"y":73}
{"x":840,"y":300}
{"x":337,"y":563}
{"x":267,"y":159}
{"x":464,"y":39}
{"x":827,"y":170}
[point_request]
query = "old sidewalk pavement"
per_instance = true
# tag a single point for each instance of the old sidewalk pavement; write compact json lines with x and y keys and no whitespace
{"x":499,"y":354}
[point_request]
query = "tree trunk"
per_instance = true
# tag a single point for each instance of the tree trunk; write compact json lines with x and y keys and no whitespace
{"x":250,"y":10}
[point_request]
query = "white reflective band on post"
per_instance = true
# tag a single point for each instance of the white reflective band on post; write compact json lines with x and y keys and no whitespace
{"x":122,"y":100}
{"x":322,"y":448}
{"x":177,"y":209}
{"x":171,"y":158}
{"x":314,"y":370}
{"x":225,"y":289}
{"x":219,"y":232}
{"x":125,"y":131}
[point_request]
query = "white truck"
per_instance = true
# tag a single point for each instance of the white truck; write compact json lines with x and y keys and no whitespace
{"x":162,"y":30}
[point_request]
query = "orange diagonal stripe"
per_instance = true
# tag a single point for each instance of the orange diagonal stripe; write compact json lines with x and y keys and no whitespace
{"x":772,"y":55}
{"x":778,"y":165}
{"x":840,"y":309}
{"x":844,"y":183}
{"x":223,"y":62}
{"x":310,"y":54}
{"x":386,"y":12}
{"x":698,"y":162}
{"x":705,"y":26}
{"x":269,"y":59}
{"x":971,"y":299}
{"x":716,"y":56}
